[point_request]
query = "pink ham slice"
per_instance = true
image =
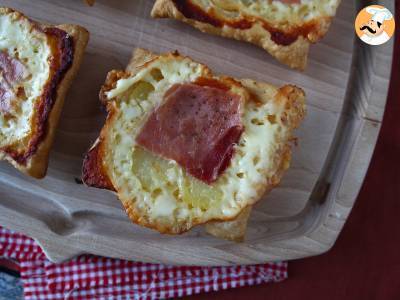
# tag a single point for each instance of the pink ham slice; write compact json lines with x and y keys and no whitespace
{"x":12,"y":71}
{"x":197,"y":126}
{"x":6,"y":96}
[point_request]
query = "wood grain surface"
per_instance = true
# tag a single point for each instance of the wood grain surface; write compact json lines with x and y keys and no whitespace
{"x":346,"y":85}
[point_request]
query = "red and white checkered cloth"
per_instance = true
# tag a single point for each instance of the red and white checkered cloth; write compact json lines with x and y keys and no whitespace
{"x":94,"y":277}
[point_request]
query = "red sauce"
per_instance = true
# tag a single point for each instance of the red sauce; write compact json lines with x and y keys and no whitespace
{"x":280,"y":37}
{"x":193,"y":11}
{"x":287,"y":38}
{"x":63,"y":54}
{"x":240,"y":24}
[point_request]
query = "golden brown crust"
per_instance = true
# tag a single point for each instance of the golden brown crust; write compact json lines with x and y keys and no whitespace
{"x":288,"y":45}
{"x":234,"y":229}
{"x":93,"y":173}
{"x":139,"y":58}
{"x":36,"y":164}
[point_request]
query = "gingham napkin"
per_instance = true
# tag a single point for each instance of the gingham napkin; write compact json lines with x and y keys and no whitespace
{"x":94,"y":277}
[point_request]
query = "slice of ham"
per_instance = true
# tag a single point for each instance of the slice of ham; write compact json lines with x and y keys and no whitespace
{"x":197,"y":126}
{"x":12,"y":72}
{"x":6,"y":96}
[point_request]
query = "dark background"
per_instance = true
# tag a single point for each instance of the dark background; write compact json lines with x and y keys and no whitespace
{"x":365,"y":261}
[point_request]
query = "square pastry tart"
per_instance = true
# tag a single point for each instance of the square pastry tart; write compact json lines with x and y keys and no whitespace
{"x":183,"y":147}
{"x":284,"y":28}
{"x":37,"y":64}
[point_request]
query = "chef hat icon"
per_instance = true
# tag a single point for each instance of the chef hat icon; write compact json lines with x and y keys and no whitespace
{"x":379,"y":14}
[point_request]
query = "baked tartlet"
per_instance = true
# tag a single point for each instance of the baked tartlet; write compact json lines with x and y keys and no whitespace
{"x":37,"y":64}
{"x":182,"y":146}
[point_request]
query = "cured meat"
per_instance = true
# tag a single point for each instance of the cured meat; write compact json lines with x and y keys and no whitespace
{"x":12,"y":69}
{"x":197,"y":126}
{"x":12,"y":72}
{"x":6,"y":96}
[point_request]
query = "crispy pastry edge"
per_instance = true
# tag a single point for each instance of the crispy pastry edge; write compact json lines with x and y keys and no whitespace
{"x":294,"y":55}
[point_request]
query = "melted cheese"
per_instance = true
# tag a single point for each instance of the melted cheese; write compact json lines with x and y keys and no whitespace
{"x":274,"y":12}
{"x":159,"y":188}
{"x":164,"y":206}
{"x":20,"y":40}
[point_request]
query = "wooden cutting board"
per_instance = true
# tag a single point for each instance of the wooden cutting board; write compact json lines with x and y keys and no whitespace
{"x":346,"y":84}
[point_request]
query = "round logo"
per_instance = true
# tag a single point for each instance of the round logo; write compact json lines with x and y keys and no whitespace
{"x":375,"y":25}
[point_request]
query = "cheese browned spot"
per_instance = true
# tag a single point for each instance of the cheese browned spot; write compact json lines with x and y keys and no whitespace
{"x":197,"y":126}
